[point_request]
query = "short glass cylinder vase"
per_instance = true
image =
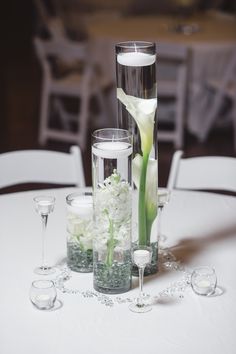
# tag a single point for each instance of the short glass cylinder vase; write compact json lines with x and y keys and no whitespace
{"x":137,"y":103}
{"x":80,"y":232}
{"x":112,"y":196}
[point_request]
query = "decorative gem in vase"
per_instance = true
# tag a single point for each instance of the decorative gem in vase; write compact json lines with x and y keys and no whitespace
{"x":80,"y":232}
{"x":137,"y":103}
{"x":112,"y":196}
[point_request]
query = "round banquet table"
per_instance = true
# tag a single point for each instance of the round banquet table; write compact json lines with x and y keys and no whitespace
{"x":200,"y":229}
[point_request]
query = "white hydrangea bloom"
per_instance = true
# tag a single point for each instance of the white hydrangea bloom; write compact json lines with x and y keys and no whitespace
{"x":113,"y":213}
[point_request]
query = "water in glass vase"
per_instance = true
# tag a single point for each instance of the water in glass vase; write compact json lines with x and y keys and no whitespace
{"x":129,"y":79}
{"x":111,"y":161}
{"x":137,"y":101}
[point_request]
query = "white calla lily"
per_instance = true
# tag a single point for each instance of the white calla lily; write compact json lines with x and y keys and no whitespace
{"x":143,"y":112}
{"x":144,"y":168}
{"x":150,"y":190}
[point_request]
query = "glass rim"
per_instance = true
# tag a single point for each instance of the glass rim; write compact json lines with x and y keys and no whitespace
{"x":47,"y":284}
{"x":140,"y":44}
{"x":70,"y":196}
{"x":95,"y":134}
{"x":203,"y":270}
{"x":39,"y":198}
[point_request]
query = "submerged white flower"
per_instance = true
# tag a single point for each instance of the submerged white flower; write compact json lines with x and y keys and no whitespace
{"x":143,"y":112}
{"x":113,"y":215}
{"x":80,"y":230}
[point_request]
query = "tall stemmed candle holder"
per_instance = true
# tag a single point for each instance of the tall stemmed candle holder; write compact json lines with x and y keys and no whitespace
{"x":141,"y":257}
{"x":44,"y":205}
{"x":137,"y":102}
{"x":111,"y":174}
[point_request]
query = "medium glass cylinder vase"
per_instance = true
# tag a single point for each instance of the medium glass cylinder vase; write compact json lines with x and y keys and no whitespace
{"x":80,"y":232}
{"x":112,"y":193}
{"x":137,"y":103}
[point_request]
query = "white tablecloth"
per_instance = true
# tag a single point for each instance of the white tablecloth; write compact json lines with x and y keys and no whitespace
{"x":200,"y":229}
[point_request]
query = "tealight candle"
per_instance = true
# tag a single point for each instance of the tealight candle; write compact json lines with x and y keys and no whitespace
{"x":141,"y":257}
{"x":203,"y":281}
{"x":45,"y":207}
{"x":43,"y":294}
{"x":43,"y":300}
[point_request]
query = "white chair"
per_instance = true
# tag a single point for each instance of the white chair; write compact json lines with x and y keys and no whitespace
{"x":202,"y":173}
{"x":171,"y":84}
{"x":212,"y":88}
{"x":42,"y":166}
{"x":80,"y":84}
{"x":224,"y":87}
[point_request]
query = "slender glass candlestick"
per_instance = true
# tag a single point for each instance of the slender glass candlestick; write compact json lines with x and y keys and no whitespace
{"x":141,"y":257}
{"x":44,"y":205}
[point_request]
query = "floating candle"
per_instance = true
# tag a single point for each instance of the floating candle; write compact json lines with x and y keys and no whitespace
{"x":81,"y":205}
{"x":136,"y":59}
{"x":141,"y":257}
{"x":112,"y":149}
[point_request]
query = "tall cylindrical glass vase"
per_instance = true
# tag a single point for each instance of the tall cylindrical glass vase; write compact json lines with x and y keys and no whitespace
{"x":112,"y":178}
{"x":137,"y":102}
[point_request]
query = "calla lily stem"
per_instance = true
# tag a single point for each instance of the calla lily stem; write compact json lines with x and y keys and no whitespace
{"x":142,"y":202}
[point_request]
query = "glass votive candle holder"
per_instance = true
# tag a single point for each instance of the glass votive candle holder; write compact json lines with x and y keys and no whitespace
{"x":43,"y":294}
{"x":203,"y":280}
{"x":80,"y":232}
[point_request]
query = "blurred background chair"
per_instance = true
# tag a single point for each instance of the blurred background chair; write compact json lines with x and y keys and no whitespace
{"x":50,"y":22}
{"x":223,"y":88}
{"x":42,"y":166}
{"x":171,"y":91}
{"x":67,"y":72}
{"x":212,"y":89}
{"x":216,"y":173}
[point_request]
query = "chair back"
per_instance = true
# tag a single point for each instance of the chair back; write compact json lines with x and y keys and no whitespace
{"x":202,"y":173}
{"x":42,"y":166}
{"x":171,"y":90}
{"x":64,"y":49}
{"x":172,"y":51}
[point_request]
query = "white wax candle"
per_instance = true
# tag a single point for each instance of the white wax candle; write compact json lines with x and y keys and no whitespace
{"x":45,"y":207}
{"x":136,"y":59}
{"x":112,"y":149}
{"x":203,"y":283}
{"x":81,"y":205}
{"x":203,"y":286}
{"x":141,"y":257}
{"x":43,"y":300}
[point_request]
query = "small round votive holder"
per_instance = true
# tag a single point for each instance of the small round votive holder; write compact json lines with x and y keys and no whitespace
{"x":43,"y":294}
{"x":203,"y":281}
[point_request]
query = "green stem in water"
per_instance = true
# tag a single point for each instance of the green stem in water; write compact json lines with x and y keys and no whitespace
{"x":142,"y":224}
{"x":110,"y":243}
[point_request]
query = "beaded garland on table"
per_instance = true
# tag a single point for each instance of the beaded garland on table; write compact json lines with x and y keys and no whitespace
{"x":167,"y":261}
